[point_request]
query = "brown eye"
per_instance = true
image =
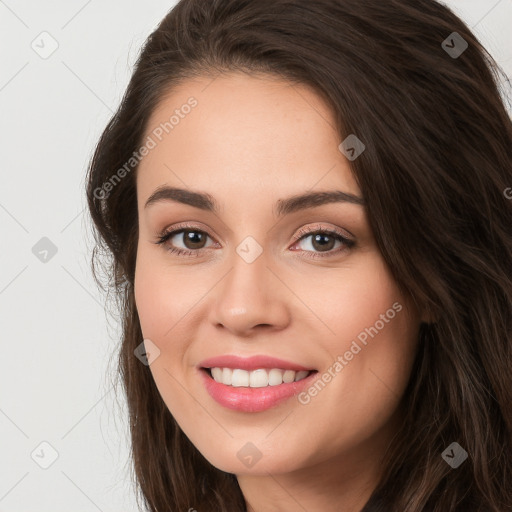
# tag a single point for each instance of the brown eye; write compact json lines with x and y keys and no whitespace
{"x":184,"y":241}
{"x":323,"y":242}
{"x":320,"y":242}
{"x":194,"y":239}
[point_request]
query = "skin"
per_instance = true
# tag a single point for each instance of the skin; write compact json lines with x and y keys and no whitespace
{"x":250,"y":141}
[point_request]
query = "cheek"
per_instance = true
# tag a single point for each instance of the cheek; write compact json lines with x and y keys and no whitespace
{"x":153,"y":304}
{"x":371,"y":338}
{"x":376,"y":327}
{"x":163,"y":294}
{"x":163,"y":299}
{"x":349,"y":300}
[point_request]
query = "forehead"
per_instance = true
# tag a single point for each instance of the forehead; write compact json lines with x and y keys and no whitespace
{"x":255,"y":136}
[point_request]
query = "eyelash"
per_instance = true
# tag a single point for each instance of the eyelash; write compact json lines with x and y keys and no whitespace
{"x":303,"y":233}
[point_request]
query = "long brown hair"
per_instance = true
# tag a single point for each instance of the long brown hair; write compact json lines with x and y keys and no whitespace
{"x":429,"y":107}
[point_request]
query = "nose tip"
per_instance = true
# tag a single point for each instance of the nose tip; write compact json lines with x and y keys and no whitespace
{"x":249,"y":297}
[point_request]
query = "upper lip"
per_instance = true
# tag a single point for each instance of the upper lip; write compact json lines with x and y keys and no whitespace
{"x":250,"y":363}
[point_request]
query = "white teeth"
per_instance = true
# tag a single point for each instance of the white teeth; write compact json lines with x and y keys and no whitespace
{"x":288,"y":376}
{"x":226,"y":375}
{"x":256,"y":379}
{"x":275,"y":377}
{"x":301,"y":375}
{"x":240,"y":378}
{"x":217,"y":374}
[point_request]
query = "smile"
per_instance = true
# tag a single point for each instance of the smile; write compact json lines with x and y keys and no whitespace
{"x":254,"y":391}
{"x":259,"y":378}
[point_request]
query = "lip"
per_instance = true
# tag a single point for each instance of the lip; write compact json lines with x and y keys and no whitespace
{"x":247,"y":399}
{"x":251,"y":363}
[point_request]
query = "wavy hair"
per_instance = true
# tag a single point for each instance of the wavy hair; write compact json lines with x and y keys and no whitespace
{"x":435,"y":176}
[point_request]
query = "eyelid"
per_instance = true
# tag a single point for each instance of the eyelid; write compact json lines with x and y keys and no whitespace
{"x":172,"y":231}
{"x":322,"y":228}
{"x":183,"y":226}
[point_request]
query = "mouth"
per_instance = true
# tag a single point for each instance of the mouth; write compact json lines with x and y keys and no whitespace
{"x":259,"y":378}
{"x":254,"y":391}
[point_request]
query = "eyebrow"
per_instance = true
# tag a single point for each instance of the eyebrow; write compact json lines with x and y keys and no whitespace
{"x":286,"y":206}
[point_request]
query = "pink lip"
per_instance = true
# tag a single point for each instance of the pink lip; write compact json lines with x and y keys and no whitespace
{"x":250,"y":363}
{"x":246,"y":399}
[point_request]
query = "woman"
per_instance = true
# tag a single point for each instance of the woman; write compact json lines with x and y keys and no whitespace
{"x":305,"y":204}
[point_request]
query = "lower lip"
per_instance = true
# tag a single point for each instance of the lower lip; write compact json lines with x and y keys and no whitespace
{"x":248,"y":399}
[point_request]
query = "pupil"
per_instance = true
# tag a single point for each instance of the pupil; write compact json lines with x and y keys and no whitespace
{"x":194,"y":237}
{"x":321,"y":238}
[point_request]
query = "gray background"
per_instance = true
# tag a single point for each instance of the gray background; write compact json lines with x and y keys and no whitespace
{"x":58,"y":343}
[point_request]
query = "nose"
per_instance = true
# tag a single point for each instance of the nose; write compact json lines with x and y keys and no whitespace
{"x":249,"y":298}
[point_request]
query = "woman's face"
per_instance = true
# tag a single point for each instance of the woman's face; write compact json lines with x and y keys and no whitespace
{"x":259,"y":280}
